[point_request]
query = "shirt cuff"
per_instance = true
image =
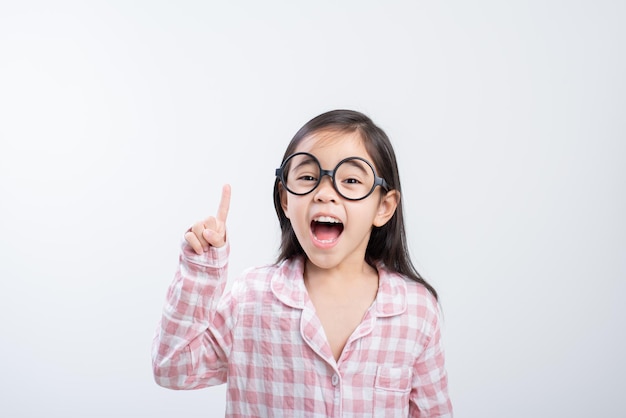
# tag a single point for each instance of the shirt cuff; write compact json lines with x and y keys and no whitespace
{"x":214,"y":258}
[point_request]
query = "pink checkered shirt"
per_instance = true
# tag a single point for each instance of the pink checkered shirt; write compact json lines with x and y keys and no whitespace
{"x":264,"y":339}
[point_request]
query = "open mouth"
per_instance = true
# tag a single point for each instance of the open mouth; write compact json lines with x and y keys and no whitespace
{"x":326,"y":229}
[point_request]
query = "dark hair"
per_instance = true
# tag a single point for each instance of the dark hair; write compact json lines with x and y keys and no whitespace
{"x":387,"y":243}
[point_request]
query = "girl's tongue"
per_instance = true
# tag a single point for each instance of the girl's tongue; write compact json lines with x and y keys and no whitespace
{"x":326,"y":231}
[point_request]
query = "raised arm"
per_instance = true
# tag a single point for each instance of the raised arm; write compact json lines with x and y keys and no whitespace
{"x":192,"y":343}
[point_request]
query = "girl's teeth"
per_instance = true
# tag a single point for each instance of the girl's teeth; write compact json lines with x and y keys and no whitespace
{"x":327,"y":219}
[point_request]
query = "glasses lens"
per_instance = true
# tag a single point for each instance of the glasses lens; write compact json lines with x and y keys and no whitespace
{"x":301,"y":173}
{"x":354,"y":178}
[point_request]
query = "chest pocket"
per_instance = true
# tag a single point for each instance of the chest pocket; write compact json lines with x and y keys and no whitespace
{"x":392,"y":387}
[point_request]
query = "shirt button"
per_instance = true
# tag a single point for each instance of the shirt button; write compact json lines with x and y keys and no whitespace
{"x":334,"y":380}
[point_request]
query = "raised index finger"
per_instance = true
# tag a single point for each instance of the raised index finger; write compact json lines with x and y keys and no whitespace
{"x":222,"y":211}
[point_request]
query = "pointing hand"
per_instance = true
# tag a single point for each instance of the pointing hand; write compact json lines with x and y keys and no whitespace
{"x":212,"y":230}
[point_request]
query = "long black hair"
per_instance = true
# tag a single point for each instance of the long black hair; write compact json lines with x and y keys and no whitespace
{"x":388,"y":243}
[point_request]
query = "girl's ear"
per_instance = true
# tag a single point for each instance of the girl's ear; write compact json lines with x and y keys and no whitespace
{"x":283,"y":199}
{"x":387,"y":207}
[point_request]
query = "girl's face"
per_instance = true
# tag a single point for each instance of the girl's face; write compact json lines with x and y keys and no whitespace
{"x":333,"y":231}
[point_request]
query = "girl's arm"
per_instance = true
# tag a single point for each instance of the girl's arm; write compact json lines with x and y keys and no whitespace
{"x":429,"y":396}
{"x":190,"y":348}
{"x":191,"y":345}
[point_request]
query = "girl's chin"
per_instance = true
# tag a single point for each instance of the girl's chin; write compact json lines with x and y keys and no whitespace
{"x":324,"y":259}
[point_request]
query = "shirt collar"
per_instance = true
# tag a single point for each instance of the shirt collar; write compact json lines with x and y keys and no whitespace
{"x":287,"y":284}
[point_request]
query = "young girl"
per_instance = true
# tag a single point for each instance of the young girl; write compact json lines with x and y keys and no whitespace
{"x":342,"y":324}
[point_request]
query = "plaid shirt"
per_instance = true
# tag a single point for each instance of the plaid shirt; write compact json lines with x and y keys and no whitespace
{"x":265,"y":340}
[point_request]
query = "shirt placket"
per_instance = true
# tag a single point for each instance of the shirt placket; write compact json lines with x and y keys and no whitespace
{"x":314,"y":336}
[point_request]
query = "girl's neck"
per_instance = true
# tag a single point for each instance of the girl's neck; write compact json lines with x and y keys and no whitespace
{"x":340,"y":279}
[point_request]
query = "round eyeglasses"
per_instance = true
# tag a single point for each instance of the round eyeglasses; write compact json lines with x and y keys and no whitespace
{"x":353,"y":178}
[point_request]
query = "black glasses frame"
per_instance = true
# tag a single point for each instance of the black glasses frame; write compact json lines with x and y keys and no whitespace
{"x":378,"y":181}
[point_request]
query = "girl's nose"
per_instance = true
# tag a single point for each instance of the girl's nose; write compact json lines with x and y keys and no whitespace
{"x":325,"y":191}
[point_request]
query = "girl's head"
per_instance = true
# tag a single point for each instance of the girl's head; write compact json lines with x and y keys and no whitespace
{"x":385,"y":241}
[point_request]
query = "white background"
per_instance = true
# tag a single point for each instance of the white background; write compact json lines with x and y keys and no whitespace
{"x":120,"y":121}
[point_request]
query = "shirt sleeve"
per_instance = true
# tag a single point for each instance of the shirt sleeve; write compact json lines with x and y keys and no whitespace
{"x":429,"y":396}
{"x":191,"y":345}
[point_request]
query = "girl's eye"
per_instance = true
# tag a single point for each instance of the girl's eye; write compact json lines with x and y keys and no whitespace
{"x":307,"y":178}
{"x":352,"y":181}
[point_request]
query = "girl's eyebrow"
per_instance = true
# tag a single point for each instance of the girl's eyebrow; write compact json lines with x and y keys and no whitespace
{"x":306,"y":161}
{"x":355,"y":163}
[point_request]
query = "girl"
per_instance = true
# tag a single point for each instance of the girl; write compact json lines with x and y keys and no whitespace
{"x":342,"y":324}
